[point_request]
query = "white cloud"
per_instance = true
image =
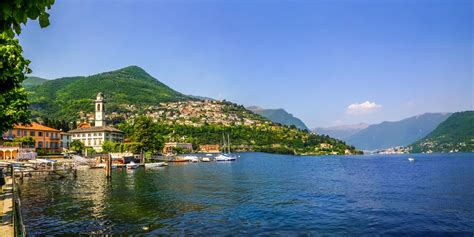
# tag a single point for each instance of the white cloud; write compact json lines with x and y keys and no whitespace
{"x":362,"y":108}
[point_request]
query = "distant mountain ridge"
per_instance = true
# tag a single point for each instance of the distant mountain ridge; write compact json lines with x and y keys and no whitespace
{"x":342,"y":131}
{"x":398,"y":133}
{"x":455,"y":134}
{"x":279,"y":116}
{"x":126,"y":89}
{"x":33,"y":81}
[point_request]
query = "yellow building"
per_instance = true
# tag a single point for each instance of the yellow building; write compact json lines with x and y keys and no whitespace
{"x":46,"y":138}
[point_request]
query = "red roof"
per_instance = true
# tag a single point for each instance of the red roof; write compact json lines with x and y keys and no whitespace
{"x":35,"y":126}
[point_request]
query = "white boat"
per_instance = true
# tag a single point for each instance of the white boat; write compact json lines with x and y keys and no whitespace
{"x":132,"y":165}
{"x":206,"y":159}
{"x":153,"y":165}
{"x":411,"y":159}
{"x":208,"y":154}
{"x":191,"y":158}
{"x":225,"y":157}
{"x":228,"y":156}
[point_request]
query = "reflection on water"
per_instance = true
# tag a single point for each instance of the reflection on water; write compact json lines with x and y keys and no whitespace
{"x":262,"y":194}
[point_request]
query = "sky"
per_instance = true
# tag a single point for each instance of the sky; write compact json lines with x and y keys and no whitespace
{"x":326,"y":62}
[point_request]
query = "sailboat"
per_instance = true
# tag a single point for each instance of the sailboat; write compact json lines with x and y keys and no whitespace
{"x":228,"y":156}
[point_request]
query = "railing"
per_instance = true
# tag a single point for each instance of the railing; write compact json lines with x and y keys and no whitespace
{"x":19,"y":226}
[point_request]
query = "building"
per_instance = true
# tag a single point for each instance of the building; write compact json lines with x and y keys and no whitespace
{"x":95,"y":136}
{"x":211,"y":148}
{"x":8,"y":153}
{"x":170,"y":147}
{"x":46,"y":138}
{"x":65,"y":140}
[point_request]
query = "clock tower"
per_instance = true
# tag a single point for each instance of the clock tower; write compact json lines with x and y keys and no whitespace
{"x":99,"y":110}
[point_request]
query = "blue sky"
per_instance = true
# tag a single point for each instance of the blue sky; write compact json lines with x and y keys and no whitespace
{"x":327,"y":62}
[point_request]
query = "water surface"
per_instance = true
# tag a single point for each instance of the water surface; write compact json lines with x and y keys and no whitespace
{"x":263,"y":194}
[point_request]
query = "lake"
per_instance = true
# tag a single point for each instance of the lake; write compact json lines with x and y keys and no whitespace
{"x":263,"y":194}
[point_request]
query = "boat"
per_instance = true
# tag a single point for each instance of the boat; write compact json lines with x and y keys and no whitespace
{"x":208,"y":154}
{"x":154,"y":165}
{"x":205,"y":159}
{"x":132,"y":165}
{"x":225,"y":157}
{"x":411,"y":159}
{"x":191,"y":158}
{"x":228,"y":156}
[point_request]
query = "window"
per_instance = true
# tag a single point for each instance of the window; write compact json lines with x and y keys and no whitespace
{"x":40,"y":144}
{"x":47,"y":134}
{"x":25,"y":133}
{"x":47,"y":144}
{"x":40,"y":134}
{"x":98,"y":107}
{"x":18,"y":132}
{"x":32,"y":133}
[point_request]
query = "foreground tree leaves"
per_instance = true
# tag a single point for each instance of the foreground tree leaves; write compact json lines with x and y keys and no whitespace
{"x":13,"y":66}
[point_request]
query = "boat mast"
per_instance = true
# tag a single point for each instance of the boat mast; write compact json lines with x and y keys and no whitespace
{"x":228,"y":141}
{"x":223,"y":143}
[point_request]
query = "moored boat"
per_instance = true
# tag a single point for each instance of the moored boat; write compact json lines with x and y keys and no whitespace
{"x":132,"y":165}
{"x":156,"y":164}
{"x":411,"y":159}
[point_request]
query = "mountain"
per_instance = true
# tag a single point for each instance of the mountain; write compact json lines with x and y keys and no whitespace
{"x":127,"y":89}
{"x":399,"y":133}
{"x":279,"y":116}
{"x":33,"y":81}
{"x":342,"y":131}
{"x":133,"y":94}
{"x":455,"y":134}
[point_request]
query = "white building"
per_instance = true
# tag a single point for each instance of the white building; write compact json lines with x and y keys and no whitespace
{"x":95,"y":136}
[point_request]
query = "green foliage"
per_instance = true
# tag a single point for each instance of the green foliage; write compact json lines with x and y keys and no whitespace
{"x":17,"y":12}
{"x":77,"y":146}
{"x":145,"y":132}
{"x":13,"y":98}
{"x":62,"y":125}
{"x":30,"y":82}
{"x":28,"y":141}
{"x":90,"y":151}
{"x":455,"y":134}
{"x":13,"y":66}
{"x":133,"y":147}
{"x":269,"y":138}
{"x":63,"y":98}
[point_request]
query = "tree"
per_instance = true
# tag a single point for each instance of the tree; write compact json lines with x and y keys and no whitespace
{"x":28,"y":141}
{"x":77,"y":146}
{"x":146,"y":133}
{"x":13,"y":66}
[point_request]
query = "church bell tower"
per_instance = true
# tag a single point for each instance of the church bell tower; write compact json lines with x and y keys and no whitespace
{"x":99,"y":110}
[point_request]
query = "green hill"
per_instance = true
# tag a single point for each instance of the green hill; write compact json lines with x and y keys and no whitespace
{"x":33,"y":81}
{"x":455,"y":134}
{"x":127,"y":89}
{"x":279,"y":116}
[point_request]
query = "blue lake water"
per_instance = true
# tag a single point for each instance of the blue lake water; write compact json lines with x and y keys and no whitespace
{"x":263,"y":194}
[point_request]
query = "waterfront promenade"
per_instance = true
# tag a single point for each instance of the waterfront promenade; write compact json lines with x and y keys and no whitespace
{"x":6,"y":208}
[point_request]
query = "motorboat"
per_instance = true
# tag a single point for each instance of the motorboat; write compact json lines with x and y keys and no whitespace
{"x":132,"y":165}
{"x":191,"y":158}
{"x":154,"y":165}
{"x":205,"y":159}
{"x":208,"y":154}
{"x":411,"y":159}
{"x":225,"y":157}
